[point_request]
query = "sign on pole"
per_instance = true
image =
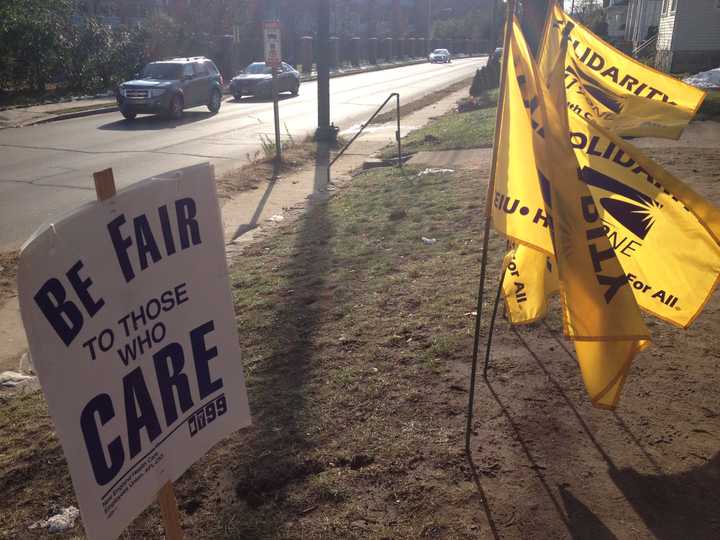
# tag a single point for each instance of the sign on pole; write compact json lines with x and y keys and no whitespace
{"x":127,"y":307}
{"x":273,"y":46}
{"x":273,"y":58}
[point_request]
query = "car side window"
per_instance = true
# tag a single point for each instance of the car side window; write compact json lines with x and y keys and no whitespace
{"x":187,"y":70}
{"x":212,"y":68}
{"x":200,"y":69}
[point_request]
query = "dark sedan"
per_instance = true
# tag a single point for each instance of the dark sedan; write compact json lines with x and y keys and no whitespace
{"x":256,"y":80}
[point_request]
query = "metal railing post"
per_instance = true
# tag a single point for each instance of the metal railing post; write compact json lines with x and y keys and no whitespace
{"x":366,"y":124}
{"x":397,"y":133}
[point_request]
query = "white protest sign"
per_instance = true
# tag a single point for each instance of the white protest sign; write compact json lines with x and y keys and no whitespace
{"x":273,"y":47}
{"x":128,"y":312}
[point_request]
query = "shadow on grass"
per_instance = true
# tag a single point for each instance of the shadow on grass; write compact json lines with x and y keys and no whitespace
{"x":272,"y":459}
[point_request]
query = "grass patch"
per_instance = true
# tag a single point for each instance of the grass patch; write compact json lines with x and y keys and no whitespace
{"x":261,"y":167}
{"x":710,"y":109}
{"x":454,"y":130}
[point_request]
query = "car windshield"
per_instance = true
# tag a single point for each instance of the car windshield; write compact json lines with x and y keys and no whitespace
{"x":258,"y":68}
{"x":162,"y":71}
{"x":440,"y":51}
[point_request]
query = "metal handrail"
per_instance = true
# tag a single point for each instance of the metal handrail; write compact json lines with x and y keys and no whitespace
{"x":366,"y":124}
{"x":645,"y":44}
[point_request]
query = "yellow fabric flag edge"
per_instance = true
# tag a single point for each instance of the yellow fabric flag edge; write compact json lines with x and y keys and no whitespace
{"x":546,"y":37}
{"x":710,"y":219}
{"x":619,"y":380}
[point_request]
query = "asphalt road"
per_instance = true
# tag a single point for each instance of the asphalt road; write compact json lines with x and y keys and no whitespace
{"x":47,"y":169}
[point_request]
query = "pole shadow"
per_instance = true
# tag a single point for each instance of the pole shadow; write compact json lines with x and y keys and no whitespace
{"x":583,"y":524}
{"x":271,"y":458}
{"x":253,"y":223}
{"x":528,"y":454}
{"x":618,"y":419}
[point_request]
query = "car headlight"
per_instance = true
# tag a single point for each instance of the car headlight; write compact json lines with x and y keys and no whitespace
{"x":155,"y":92}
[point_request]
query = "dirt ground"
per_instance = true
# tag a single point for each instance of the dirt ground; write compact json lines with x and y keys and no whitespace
{"x":8,"y":271}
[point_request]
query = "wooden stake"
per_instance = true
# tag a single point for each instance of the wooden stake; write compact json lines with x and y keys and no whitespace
{"x":104,"y":184}
{"x":105,"y":189}
{"x":170,"y":512}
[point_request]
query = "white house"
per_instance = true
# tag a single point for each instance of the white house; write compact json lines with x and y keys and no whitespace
{"x":643,"y":18}
{"x":688,"y":36}
{"x":616,"y":17}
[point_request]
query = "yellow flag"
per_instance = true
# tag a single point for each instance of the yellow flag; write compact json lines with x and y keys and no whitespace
{"x":518,"y":207}
{"x":598,"y":304}
{"x":618,"y":92}
{"x":664,"y":234}
{"x":530,"y":278}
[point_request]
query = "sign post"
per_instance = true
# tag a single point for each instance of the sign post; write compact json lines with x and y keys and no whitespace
{"x":105,"y":189}
{"x":273,"y":58}
{"x":127,"y":307}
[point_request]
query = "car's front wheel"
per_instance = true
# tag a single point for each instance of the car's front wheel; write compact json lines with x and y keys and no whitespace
{"x":215,"y":101}
{"x":177,"y":104}
{"x":296,"y":89}
{"x":129,"y":115}
{"x":237,"y":95}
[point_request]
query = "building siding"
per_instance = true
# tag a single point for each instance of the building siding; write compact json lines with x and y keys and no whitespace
{"x":697,"y":26}
{"x":689,"y":38}
{"x":666,"y":27}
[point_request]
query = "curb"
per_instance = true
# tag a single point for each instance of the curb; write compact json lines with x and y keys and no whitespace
{"x":382,"y":67}
{"x":76,"y":114}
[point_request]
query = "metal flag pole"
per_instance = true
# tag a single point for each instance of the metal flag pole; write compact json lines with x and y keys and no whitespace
{"x":491,"y":328}
{"x":486,"y":236}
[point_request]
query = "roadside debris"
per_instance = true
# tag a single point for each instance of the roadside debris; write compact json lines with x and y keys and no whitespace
{"x":277,"y":218}
{"x":428,"y":241}
{"x":11,"y":379}
{"x":60,"y":522}
{"x":430,"y":170}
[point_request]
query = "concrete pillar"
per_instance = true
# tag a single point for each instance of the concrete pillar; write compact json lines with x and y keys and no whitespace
{"x":399,"y":49}
{"x":412,"y":47}
{"x":372,"y":50}
{"x":387,"y":49}
{"x":355,"y":51}
{"x":457,"y":46}
{"x":306,"y":53}
{"x":334,"y":52}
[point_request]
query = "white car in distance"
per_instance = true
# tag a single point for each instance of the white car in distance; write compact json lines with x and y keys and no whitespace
{"x":439,"y":56}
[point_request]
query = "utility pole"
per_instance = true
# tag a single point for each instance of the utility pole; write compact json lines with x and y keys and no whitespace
{"x":429,"y":24}
{"x":323,"y":70}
